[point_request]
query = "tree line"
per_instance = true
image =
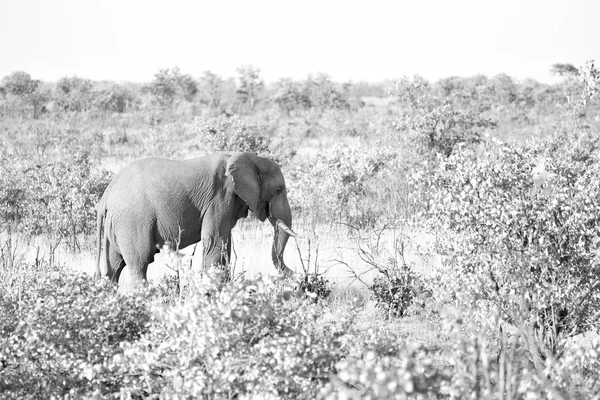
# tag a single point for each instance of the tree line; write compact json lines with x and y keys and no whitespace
{"x":247,"y":92}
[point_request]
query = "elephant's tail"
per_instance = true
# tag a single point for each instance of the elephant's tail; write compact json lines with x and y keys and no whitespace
{"x":102,"y":244}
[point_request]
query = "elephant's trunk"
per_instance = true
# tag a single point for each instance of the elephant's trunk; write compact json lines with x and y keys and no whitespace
{"x":281,"y":219}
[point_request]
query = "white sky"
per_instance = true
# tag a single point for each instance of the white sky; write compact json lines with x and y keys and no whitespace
{"x":130,"y":40}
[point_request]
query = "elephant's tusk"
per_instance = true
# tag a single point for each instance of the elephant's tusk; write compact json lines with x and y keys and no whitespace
{"x":287,"y":229}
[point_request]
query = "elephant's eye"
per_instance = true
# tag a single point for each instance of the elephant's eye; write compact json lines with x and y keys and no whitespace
{"x":278,"y":191}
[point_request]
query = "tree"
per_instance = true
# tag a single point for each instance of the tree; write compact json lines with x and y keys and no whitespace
{"x":441,"y":122}
{"x":564,"y":70}
{"x":505,"y":89}
{"x":250,"y":86}
{"x":323,"y":94}
{"x":287,"y":94}
{"x":19,"y":83}
{"x":23,"y":92}
{"x":186,"y":85}
{"x":210,"y":88}
{"x":113,"y":97}
{"x":74,"y":93}
{"x":170,"y":84}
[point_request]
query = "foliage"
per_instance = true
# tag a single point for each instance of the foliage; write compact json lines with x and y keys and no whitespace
{"x":517,"y":226}
{"x":288,"y":96}
{"x":396,"y":286}
{"x":564,"y":69}
{"x":346,"y":172}
{"x":57,"y":199}
{"x":522,"y":247}
{"x":232,"y":134}
{"x":410,"y":374}
{"x":489,"y":363}
{"x":591,"y":80}
{"x":322,"y":94}
{"x":74,"y":94}
{"x":114,"y":98}
{"x":396,"y":291}
{"x":21,"y":92}
{"x":170,"y":85}
{"x":57,"y":335}
{"x":242,"y":341}
{"x":315,"y":286}
{"x":250,"y":86}
{"x":439,"y":123}
{"x":19,"y":83}
{"x":210,"y":87}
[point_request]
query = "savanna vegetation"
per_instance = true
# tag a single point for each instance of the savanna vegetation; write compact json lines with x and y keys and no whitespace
{"x":450,"y":240}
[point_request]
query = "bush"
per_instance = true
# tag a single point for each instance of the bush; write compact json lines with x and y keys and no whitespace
{"x":395,"y":292}
{"x":519,"y":247}
{"x":114,"y":98}
{"x":347,"y":172}
{"x":241,"y":341}
{"x":315,"y":286}
{"x":58,"y":199}
{"x":441,"y":123}
{"x":233,"y":134}
{"x":21,"y":93}
{"x":74,"y":94}
{"x":170,"y":86}
{"x":56,"y":336}
{"x":377,"y":377}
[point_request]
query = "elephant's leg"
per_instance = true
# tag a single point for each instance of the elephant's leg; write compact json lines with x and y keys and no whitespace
{"x":217,"y":253}
{"x":131,"y":278}
{"x":217,"y":250}
{"x":137,"y":258}
{"x":115,"y":264}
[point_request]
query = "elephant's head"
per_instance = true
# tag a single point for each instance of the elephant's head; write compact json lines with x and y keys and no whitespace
{"x":260,"y":183}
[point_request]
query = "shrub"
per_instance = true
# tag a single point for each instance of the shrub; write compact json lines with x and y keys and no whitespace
{"x":21,"y":92}
{"x":250,"y":86}
{"x":377,"y":377}
{"x":241,"y":341}
{"x":288,"y":96}
{"x":395,"y":292}
{"x":315,"y":286}
{"x":171,"y":85}
{"x":440,"y":122}
{"x":322,"y":94}
{"x":57,"y":199}
{"x":210,"y":90}
{"x":114,"y":98}
{"x":233,"y":134}
{"x":57,"y":335}
{"x":519,"y":248}
{"x":347,"y":171}
{"x":74,"y":94}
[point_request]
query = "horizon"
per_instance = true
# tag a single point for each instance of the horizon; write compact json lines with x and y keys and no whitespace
{"x":356,"y":41}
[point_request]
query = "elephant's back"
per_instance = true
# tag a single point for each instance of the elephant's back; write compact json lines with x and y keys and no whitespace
{"x":143,"y":181}
{"x":162,"y":182}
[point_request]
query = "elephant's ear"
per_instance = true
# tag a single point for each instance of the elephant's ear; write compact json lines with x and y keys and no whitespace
{"x":243,"y":168}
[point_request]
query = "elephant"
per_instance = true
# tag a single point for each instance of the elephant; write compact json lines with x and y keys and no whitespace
{"x":155,"y":200}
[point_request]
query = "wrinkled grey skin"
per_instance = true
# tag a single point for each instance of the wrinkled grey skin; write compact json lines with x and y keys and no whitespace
{"x":152,"y":199}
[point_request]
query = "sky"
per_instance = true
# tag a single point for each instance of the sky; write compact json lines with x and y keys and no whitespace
{"x":351,"y":40}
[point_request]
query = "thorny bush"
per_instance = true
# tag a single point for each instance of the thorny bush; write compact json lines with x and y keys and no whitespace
{"x":348,"y":172}
{"x":233,"y":134}
{"x":441,"y":122}
{"x":395,"y":292}
{"x":517,"y":246}
{"x":244,"y":340}
{"x":57,"y":336}
{"x":57,"y":199}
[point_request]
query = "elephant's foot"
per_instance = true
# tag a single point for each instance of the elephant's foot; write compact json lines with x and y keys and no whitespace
{"x":131,"y":279}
